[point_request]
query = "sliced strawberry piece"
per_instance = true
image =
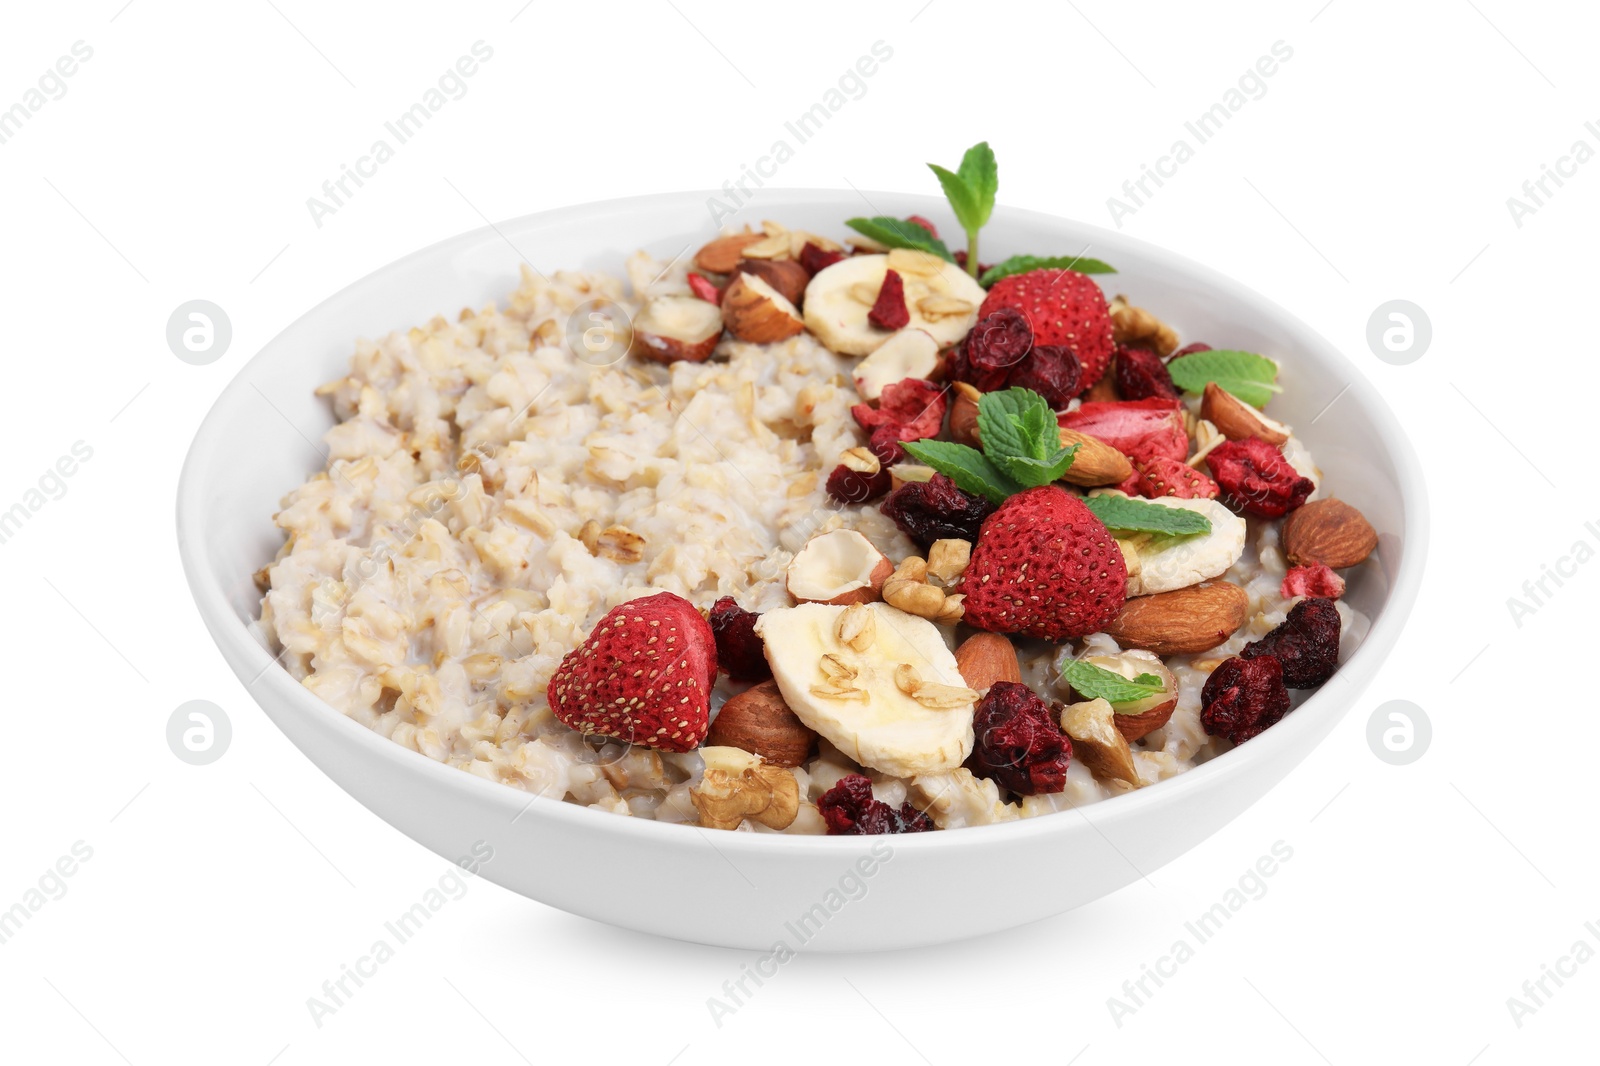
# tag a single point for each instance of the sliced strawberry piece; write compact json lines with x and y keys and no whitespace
{"x":889,"y":311}
{"x":1140,"y":429}
{"x":702,"y":287}
{"x":913,"y":408}
{"x":1169,"y":477}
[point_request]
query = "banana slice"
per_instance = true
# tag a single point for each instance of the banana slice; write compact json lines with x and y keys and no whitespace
{"x":880,"y":684}
{"x":911,"y":353}
{"x":1168,"y":563}
{"x":942,"y":298}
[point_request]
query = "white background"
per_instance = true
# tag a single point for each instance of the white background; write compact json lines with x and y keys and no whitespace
{"x":1377,"y":166}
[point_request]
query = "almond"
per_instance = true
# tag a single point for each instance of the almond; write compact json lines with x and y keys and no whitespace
{"x":1236,"y":419}
{"x":1330,"y":532}
{"x":722,"y":255}
{"x":1096,"y":462}
{"x":1098,"y":744}
{"x":758,"y":721}
{"x":1182,"y":621}
{"x":784,"y":275}
{"x":985,"y":658}
{"x":964,"y":414}
{"x":756,"y":312}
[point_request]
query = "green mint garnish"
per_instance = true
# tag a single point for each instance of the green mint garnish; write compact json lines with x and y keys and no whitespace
{"x":969,"y":468}
{"x":1140,"y":516}
{"x":898,"y":233}
{"x":1096,"y":683}
{"x":1021,"y":448}
{"x":970,"y":189}
{"x":1253,"y":378}
{"x":1021,"y":264}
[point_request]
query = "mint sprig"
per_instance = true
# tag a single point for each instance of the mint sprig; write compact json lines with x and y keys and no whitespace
{"x":1097,"y":683}
{"x":1021,"y":264}
{"x":899,"y":233}
{"x":971,"y":189}
{"x":1140,"y":516}
{"x":1251,"y":377}
{"x":1021,"y":447}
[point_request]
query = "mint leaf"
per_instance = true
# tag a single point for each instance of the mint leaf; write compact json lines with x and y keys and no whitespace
{"x":898,"y":233}
{"x":1032,"y":472}
{"x":1141,"y":516}
{"x":967,"y":467}
{"x":1253,"y":378}
{"x":963,"y":200}
{"x":1021,"y":436}
{"x":1021,"y":264}
{"x":981,"y":174}
{"x":1097,"y":683}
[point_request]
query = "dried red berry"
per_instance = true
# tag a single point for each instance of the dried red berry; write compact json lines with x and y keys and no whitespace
{"x":849,"y":809}
{"x":914,"y":408}
{"x":1256,"y":479}
{"x":1141,"y":374}
{"x":932,"y":510}
{"x":1318,"y":579}
{"x":701,"y":286}
{"x":1242,"y":697}
{"x":918,"y":220}
{"x":890,"y":311}
{"x":1051,"y":371}
{"x":816,"y":259}
{"x":851,"y":487}
{"x":885,"y":445}
{"x":739,"y":651}
{"x":1161,"y":476}
{"x":999,"y":340}
{"x":1018,"y":744}
{"x":1307,"y":644}
{"x":1190,"y":349}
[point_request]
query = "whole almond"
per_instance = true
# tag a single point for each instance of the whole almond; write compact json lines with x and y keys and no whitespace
{"x":1095,"y":463}
{"x":758,"y":721}
{"x":1236,"y":419}
{"x":1182,"y":621}
{"x":985,"y":658}
{"x":964,"y":414}
{"x":724,"y":253}
{"x":1330,"y":532}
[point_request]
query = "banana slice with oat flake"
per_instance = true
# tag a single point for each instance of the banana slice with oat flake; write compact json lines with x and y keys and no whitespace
{"x":1168,"y":563}
{"x":942,"y":298}
{"x":880,"y":684}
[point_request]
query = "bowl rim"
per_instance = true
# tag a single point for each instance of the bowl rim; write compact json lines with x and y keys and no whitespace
{"x":233,"y":637}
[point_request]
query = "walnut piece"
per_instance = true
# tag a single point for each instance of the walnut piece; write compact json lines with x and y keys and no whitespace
{"x":738,"y":785}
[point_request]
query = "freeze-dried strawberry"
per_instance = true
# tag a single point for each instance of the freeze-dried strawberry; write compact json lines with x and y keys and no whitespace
{"x":1017,"y":743}
{"x":1044,"y":566}
{"x":817,"y":259}
{"x":1161,"y":476}
{"x":701,"y":286}
{"x":889,"y":311}
{"x":849,"y":809}
{"x":852,"y":487}
{"x":932,"y":510}
{"x":1317,"y":579}
{"x":644,"y":675}
{"x":1064,"y":308}
{"x":1256,"y":479}
{"x":1141,"y":374}
{"x":1307,"y":644}
{"x":918,"y":220}
{"x":1242,"y":697}
{"x":1140,"y":429}
{"x":914,"y":408}
{"x":1050,"y":370}
{"x":1000,"y":340}
{"x":740,"y":653}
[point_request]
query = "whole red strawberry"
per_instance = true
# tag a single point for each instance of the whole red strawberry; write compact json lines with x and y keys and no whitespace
{"x":1140,"y":429}
{"x":1169,"y":477}
{"x":1044,"y":566}
{"x":1256,"y":479}
{"x":644,"y":675}
{"x":1064,"y":308}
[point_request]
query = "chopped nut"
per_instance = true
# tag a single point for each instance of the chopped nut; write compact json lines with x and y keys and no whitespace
{"x":861,"y":460}
{"x":938,"y":306}
{"x":857,"y":627}
{"x":738,"y":785}
{"x":908,"y":589}
{"x":774,"y":246}
{"x":911,"y":261}
{"x":932,"y":694}
{"x":1138,"y":327}
{"x":947,"y":560}
{"x":1098,"y":743}
{"x":836,"y":669}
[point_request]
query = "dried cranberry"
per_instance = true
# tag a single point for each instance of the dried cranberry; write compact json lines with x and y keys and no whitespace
{"x":1051,"y":371}
{"x":1256,"y":479}
{"x":1242,"y":697}
{"x":848,"y":486}
{"x":918,"y":220}
{"x":958,"y":367}
{"x":739,"y":650}
{"x":999,"y":340}
{"x":885,"y":445}
{"x":1018,"y":744}
{"x":889,"y":311}
{"x":932,"y":510}
{"x":816,"y":259}
{"x":1141,"y":374}
{"x":1307,"y":644}
{"x":849,"y":809}
{"x":1190,"y":349}
{"x":913,"y":408}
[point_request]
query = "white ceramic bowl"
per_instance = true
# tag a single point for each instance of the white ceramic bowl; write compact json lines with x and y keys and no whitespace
{"x":746,"y":889}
